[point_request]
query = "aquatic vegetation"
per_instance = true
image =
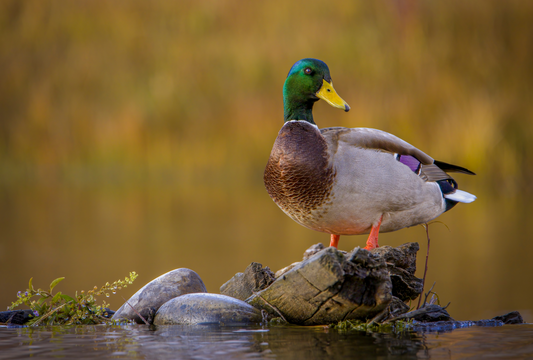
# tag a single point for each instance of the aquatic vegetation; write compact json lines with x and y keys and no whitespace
{"x":370,"y":326}
{"x":62,"y":309}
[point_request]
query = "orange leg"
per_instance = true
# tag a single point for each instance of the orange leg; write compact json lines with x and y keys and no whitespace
{"x":334,"y":240}
{"x":372,"y":241}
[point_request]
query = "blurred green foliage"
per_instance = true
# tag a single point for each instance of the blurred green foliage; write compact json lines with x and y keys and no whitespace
{"x":182,"y":90}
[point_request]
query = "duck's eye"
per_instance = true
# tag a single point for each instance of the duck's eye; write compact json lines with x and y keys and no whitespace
{"x":308,"y":71}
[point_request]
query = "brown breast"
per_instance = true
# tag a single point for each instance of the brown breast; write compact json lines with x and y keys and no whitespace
{"x":298,"y":176}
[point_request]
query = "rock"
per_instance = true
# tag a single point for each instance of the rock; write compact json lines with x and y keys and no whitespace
{"x":401,"y":262}
{"x":15,"y":317}
{"x":243,"y":285}
{"x":513,"y":317}
{"x":159,"y":291}
{"x":193,"y":309}
{"x":327,"y":287}
{"x":437,"y":323}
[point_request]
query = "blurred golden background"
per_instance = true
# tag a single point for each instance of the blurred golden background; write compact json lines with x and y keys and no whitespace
{"x":134,"y":134}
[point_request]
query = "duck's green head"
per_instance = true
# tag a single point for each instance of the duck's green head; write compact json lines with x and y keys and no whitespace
{"x":308,"y":81}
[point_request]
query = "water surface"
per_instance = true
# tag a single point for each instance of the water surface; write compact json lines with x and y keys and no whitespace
{"x":282,"y":342}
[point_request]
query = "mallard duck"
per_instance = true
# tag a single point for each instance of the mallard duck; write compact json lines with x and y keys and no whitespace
{"x":350,"y":181}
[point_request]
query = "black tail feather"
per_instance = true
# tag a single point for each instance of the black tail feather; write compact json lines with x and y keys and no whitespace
{"x":453,"y":168}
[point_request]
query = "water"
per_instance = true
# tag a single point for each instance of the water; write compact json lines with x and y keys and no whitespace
{"x":281,"y":342}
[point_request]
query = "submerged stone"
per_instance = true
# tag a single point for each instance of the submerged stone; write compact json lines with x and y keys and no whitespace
{"x":430,"y":325}
{"x":194,"y":309}
{"x":513,"y":317}
{"x":157,"y":292}
{"x":447,"y":326}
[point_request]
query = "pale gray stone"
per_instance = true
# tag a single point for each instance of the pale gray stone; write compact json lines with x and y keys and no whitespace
{"x":158,"y":291}
{"x":206,"y":309}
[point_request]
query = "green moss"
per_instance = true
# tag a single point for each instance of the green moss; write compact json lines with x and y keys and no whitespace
{"x":357,"y":325}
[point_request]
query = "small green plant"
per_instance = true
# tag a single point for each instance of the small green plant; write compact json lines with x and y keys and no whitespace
{"x":62,"y":309}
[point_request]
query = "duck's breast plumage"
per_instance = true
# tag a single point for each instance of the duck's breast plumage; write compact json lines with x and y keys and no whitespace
{"x":298,"y":175}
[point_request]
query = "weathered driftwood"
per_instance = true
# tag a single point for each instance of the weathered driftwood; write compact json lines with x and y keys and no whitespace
{"x":396,"y":307}
{"x":243,"y":285}
{"x":331,"y":285}
{"x":401,"y":263}
{"x":428,"y":313}
{"x":326,"y":287}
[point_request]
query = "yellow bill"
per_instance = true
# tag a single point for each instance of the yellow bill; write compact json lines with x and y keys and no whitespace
{"x":328,"y":93}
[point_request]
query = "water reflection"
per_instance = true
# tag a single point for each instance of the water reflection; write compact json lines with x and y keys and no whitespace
{"x":187,"y":342}
{"x":211,"y":342}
